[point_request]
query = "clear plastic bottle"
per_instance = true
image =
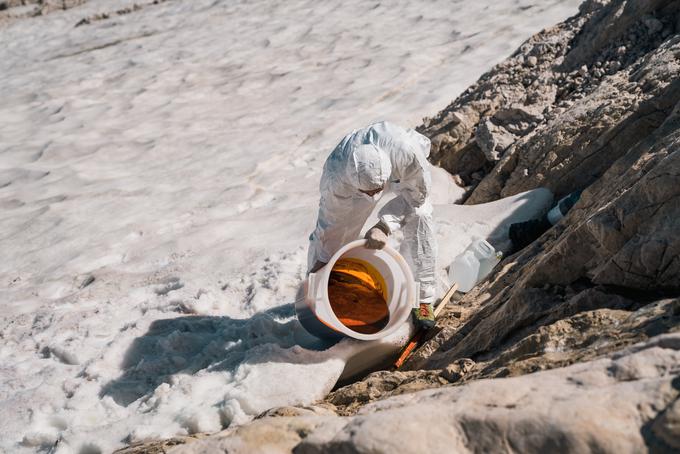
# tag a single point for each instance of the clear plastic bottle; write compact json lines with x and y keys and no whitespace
{"x":523,"y":233}
{"x":563,"y":207}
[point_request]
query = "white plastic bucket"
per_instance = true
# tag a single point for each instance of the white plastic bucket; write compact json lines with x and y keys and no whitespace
{"x":313,"y":307}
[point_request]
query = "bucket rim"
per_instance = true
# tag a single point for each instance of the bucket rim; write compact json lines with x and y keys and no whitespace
{"x":411,"y":291}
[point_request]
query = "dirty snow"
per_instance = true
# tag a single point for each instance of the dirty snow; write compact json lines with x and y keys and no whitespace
{"x":158,"y":180}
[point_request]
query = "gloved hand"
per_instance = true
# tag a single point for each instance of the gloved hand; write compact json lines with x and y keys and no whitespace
{"x":376,"y":237}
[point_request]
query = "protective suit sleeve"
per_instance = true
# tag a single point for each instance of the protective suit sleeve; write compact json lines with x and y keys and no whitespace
{"x":413,"y":191}
{"x":412,"y":211}
{"x":419,"y":246}
{"x":341,"y":216}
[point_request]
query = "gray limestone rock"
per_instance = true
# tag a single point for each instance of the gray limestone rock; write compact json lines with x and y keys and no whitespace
{"x":623,"y":403}
{"x":493,"y":140}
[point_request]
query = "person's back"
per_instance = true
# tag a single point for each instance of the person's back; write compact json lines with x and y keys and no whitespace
{"x":407,"y":151}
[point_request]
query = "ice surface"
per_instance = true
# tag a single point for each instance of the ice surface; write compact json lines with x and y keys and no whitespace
{"x":158,"y":180}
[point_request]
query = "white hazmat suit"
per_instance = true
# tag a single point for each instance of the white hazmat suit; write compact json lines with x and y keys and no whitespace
{"x":382,"y":154}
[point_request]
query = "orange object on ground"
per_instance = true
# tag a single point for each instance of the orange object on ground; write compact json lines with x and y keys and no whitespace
{"x":357,"y":294}
{"x":409,"y":349}
{"x":417,"y":337}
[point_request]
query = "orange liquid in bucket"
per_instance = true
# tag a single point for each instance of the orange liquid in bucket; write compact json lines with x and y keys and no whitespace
{"x":357,"y":294}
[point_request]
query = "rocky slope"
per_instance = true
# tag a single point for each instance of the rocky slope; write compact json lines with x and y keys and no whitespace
{"x":591,"y":104}
{"x":576,"y":409}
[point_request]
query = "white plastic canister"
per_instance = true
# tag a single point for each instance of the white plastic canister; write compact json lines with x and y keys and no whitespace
{"x":473,"y":265}
{"x":464,"y":270}
{"x":486,"y":255}
{"x":314,"y":309}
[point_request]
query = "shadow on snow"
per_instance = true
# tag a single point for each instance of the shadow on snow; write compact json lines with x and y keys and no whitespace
{"x":187,"y":345}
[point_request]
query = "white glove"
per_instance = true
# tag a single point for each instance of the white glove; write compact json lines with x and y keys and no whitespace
{"x":376,"y":237}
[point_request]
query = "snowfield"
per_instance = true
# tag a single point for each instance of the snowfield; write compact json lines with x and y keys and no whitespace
{"x":158,"y":182}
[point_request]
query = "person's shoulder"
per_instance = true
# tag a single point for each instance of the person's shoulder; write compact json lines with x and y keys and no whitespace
{"x":386,"y":125}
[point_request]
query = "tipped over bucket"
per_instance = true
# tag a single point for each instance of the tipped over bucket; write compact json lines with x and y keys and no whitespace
{"x":361,"y":293}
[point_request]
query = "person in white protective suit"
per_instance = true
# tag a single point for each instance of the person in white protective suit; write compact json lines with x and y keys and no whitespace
{"x":364,"y":165}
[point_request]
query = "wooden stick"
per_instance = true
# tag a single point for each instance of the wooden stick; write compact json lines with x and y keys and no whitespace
{"x":415,"y":340}
{"x":445,"y":300}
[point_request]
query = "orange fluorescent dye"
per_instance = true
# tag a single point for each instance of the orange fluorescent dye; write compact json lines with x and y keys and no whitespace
{"x":358,"y":295}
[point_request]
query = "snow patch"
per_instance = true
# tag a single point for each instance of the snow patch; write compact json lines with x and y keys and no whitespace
{"x":174,"y":154}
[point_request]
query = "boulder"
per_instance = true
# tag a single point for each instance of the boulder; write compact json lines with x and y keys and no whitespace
{"x":623,"y":403}
{"x":493,"y":140}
